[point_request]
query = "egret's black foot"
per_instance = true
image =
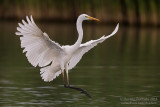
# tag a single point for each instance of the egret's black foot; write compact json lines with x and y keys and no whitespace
{"x":78,"y":89}
{"x":65,"y":85}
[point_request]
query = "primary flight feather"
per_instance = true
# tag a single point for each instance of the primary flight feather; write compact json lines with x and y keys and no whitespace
{"x":53,"y":58}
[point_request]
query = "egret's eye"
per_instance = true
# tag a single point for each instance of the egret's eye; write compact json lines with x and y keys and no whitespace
{"x":86,"y":16}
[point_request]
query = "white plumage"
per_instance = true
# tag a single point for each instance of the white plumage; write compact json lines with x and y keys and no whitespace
{"x":54,"y":59}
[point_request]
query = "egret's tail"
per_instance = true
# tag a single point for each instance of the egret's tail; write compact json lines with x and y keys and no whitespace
{"x":49,"y":73}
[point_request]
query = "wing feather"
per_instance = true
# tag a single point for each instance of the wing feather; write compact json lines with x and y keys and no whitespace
{"x":40,"y":49}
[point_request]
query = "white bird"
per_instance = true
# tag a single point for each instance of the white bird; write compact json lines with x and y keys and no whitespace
{"x":53,"y":58}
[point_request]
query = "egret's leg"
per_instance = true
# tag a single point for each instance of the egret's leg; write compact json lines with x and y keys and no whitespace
{"x":63,"y":78}
{"x":67,"y":79}
{"x":67,"y":75}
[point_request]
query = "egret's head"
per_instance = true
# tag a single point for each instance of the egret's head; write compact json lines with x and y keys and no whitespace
{"x":86,"y":17}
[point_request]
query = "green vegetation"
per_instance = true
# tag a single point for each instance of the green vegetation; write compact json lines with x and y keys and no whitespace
{"x":133,"y":12}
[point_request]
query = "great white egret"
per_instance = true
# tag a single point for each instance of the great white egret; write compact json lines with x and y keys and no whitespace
{"x":53,"y":58}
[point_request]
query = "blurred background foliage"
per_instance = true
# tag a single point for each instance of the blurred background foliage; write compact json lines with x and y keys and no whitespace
{"x":128,"y":12}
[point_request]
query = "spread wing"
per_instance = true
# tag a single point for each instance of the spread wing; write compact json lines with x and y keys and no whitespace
{"x":86,"y":47}
{"x":40,"y":49}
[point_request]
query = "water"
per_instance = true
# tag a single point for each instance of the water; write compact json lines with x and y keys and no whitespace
{"x":123,"y":69}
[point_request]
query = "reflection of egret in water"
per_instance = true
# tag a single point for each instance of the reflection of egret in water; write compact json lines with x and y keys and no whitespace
{"x":41,"y":50}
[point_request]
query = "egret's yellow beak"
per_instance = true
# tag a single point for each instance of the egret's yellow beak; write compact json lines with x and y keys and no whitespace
{"x":92,"y":18}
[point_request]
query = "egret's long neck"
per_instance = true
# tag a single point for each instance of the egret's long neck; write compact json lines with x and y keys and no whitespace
{"x":80,"y":33}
